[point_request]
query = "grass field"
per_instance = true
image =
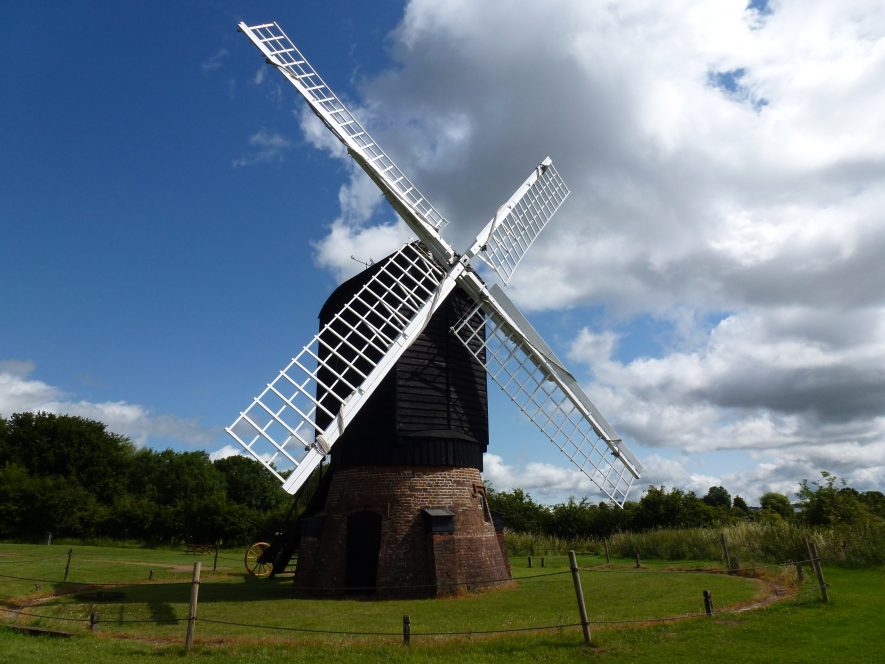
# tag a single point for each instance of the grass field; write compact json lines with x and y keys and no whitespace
{"x":142,"y":619}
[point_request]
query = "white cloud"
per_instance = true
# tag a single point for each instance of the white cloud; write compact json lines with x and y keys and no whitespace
{"x":21,"y":393}
{"x":215,"y":61}
{"x":225,"y":452}
{"x":264,"y":147}
{"x":347,"y":248}
{"x":725,"y":165}
{"x":17,"y":367}
{"x":352,"y":240}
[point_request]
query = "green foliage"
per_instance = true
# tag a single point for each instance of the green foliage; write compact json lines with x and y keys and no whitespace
{"x":717,"y":496}
{"x":520,"y":512}
{"x":777,"y":503}
{"x":71,"y":477}
{"x":825,"y":504}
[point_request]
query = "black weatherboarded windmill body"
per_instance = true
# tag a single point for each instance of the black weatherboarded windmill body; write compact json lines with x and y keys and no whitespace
{"x":393,"y":388}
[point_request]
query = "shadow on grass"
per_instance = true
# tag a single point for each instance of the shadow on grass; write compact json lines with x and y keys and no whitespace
{"x":162,"y":613}
{"x":159,"y":595}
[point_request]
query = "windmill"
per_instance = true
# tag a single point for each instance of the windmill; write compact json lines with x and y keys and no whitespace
{"x":386,"y":520}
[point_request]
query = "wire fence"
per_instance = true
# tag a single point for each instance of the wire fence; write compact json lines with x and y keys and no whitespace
{"x":29,"y":613}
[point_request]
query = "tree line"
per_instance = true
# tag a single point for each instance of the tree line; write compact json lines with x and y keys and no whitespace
{"x":70,"y":476}
{"x":823,"y":502}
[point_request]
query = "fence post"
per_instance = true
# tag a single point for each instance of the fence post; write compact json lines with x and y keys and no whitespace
{"x":734,"y":565}
{"x":608,"y":558}
{"x":150,"y":575}
{"x":708,"y":602}
{"x":93,"y":621}
{"x":215,"y":562}
{"x":579,"y":592}
{"x":68,"y":564}
{"x":725,"y":553}
{"x":815,"y":565}
{"x":530,"y":562}
{"x":542,"y":561}
{"x":638,"y":564}
{"x":192,"y":610}
{"x":407,"y":630}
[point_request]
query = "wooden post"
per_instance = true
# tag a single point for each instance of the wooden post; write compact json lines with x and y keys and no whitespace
{"x":192,"y":610}
{"x":150,"y":575}
{"x":93,"y":621}
{"x":407,"y":630}
{"x":215,"y":562}
{"x":608,"y":558}
{"x":815,"y":565}
{"x":579,"y":593}
{"x":708,"y":603}
{"x":638,"y":564}
{"x":68,"y":565}
{"x":542,"y":561}
{"x":530,"y":562}
{"x":725,"y":553}
{"x":735,"y":565}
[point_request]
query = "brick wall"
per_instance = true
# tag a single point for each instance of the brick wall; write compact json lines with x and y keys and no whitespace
{"x":412,"y":560}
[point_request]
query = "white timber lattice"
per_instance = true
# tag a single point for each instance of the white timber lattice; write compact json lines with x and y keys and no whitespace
{"x":294,"y":421}
{"x":298,"y":417}
{"x":519,"y":222}
{"x":526,"y":370}
{"x":279,"y":51}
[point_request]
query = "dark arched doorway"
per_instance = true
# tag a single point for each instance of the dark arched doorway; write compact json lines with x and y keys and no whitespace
{"x":363,"y":546}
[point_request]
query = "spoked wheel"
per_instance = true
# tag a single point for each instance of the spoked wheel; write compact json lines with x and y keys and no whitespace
{"x":254,"y":564}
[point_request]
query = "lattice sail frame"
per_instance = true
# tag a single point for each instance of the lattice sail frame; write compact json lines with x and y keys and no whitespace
{"x":528,"y":372}
{"x":519,"y":222}
{"x":279,"y":51}
{"x":288,"y":427}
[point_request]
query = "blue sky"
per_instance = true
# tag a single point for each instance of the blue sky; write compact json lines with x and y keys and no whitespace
{"x":172,"y":220}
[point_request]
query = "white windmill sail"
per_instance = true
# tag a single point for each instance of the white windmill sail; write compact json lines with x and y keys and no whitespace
{"x":287,"y":427}
{"x":520,"y":220}
{"x":527,"y":370}
{"x":299,"y":416}
{"x":279,"y":51}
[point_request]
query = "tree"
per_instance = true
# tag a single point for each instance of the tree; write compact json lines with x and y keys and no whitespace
{"x":571,"y":519}
{"x":823,"y":504}
{"x":777,"y":503}
{"x":75,"y":448}
{"x":717,"y":496}
{"x":874,"y":501}
{"x":520,"y":512}
{"x":249,"y":484}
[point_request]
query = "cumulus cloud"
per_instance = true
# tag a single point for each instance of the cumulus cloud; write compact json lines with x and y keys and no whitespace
{"x":727,"y":167}
{"x":799,"y":395}
{"x":19,"y":392}
{"x":225,"y":452}
{"x":353,"y":240}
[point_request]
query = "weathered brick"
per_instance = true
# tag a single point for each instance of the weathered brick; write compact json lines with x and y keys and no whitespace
{"x":412,"y":561}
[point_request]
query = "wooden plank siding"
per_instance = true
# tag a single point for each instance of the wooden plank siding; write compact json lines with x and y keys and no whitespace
{"x":431,"y":410}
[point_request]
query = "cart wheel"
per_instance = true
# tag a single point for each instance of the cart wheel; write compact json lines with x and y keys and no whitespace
{"x":254,"y":565}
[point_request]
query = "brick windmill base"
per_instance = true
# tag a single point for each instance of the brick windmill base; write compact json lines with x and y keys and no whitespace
{"x":402,"y":531}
